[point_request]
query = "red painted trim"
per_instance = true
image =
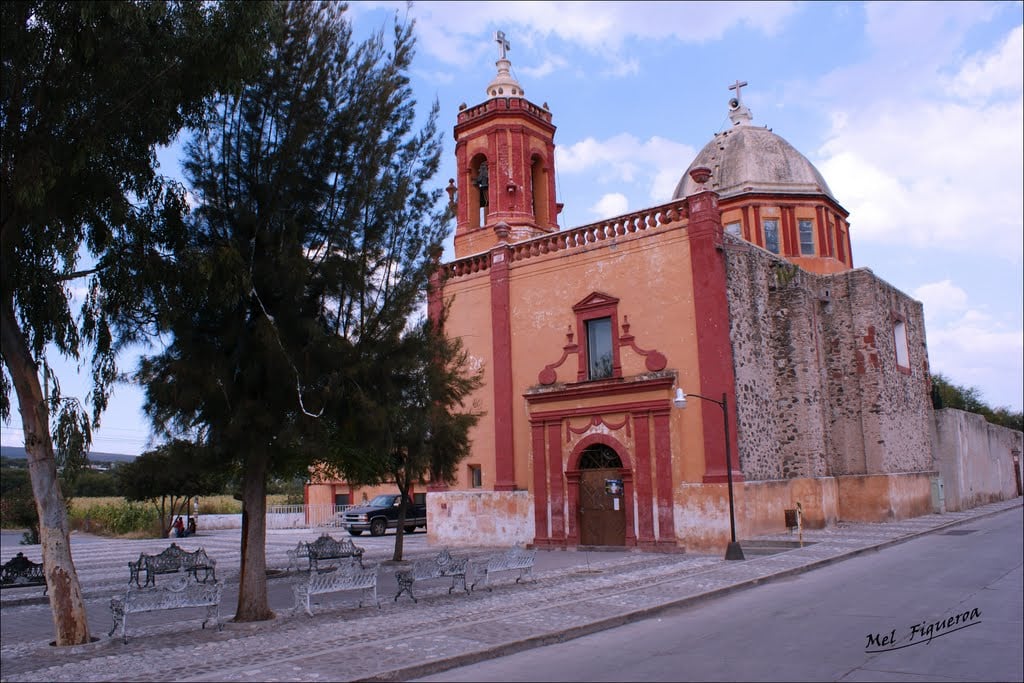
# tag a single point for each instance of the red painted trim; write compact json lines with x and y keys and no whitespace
{"x":554,"y":433}
{"x":504,"y":452}
{"x":605,"y":388}
{"x":746,"y":224}
{"x":823,"y":248}
{"x":663,"y":460}
{"x":711,"y":312}
{"x":840,"y":242}
{"x":540,"y":486}
{"x":758,"y":228}
{"x":645,"y":515}
{"x":572,"y":484}
{"x":631,"y":407}
{"x":792,"y":240}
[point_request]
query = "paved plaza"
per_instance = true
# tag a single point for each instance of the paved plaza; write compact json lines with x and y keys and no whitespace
{"x":575,"y":593}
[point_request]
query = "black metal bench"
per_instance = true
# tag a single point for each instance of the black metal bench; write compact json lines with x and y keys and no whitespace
{"x":19,"y":571}
{"x":442,"y":566}
{"x":170,"y":561}
{"x":183,"y":591}
{"x":322,"y":549}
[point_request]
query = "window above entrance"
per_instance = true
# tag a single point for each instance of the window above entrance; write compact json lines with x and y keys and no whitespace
{"x":597,"y":318}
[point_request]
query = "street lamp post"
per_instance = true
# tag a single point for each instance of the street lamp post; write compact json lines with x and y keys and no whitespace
{"x":733,"y":551}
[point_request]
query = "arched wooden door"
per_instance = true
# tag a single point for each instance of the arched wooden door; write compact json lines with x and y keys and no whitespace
{"x":602,"y":510}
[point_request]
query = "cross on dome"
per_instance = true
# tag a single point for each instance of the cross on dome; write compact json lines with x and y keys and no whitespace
{"x":736,"y":86}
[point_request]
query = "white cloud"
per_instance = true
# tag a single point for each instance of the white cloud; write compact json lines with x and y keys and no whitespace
{"x":451,"y":31}
{"x":614,"y":204}
{"x":939,"y":163}
{"x":940,"y":298}
{"x":651,"y":167}
{"x":1000,"y":71}
{"x":970,"y":346}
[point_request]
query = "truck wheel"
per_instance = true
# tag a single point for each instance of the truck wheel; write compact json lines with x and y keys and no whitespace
{"x":378,"y":527}
{"x":356,"y":532}
{"x":410,"y":529}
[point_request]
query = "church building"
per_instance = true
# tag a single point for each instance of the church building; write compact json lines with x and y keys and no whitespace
{"x":643,"y":371}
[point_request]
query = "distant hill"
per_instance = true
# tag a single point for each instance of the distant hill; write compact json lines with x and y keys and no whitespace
{"x":18,"y":453}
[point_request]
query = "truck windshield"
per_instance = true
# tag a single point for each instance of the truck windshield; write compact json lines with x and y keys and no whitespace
{"x":382,"y":501}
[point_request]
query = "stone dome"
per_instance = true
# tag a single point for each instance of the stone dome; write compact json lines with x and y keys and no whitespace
{"x":747,"y":159}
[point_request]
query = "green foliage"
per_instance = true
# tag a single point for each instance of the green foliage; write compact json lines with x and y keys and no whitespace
{"x":17,"y":504}
{"x":95,"y":483}
{"x":169,"y":476}
{"x":413,"y":426}
{"x":117,"y":519}
{"x":945,"y":394}
{"x":310,"y":246}
{"x":89,"y":89}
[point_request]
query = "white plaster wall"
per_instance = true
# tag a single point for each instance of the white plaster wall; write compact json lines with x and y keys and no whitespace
{"x":974,"y":459}
{"x":279,"y":520}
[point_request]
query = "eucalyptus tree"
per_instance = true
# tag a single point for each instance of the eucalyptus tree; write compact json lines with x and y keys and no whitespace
{"x":308,"y":246}
{"x":88,"y":91}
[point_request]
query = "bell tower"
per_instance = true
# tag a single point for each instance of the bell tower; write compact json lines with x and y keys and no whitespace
{"x":505,"y":156}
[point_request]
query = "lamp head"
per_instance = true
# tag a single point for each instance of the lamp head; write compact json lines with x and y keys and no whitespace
{"x":680,"y":400}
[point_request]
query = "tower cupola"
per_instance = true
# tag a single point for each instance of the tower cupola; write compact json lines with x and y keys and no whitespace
{"x":505,"y":158}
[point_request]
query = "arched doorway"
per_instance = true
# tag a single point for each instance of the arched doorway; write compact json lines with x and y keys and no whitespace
{"x":602,"y":510}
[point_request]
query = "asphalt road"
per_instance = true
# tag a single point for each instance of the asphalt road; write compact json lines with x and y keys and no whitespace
{"x":865,"y":619}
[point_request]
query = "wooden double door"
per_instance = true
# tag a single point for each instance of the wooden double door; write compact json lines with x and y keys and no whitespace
{"x":602,"y":507}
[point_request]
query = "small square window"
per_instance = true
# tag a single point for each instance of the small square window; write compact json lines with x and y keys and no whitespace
{"x":806,"y":237}
{"x":733,"y":229}
{"x":771,"y":235}
{"x":476,"y":476}
{"x":419,"y":498}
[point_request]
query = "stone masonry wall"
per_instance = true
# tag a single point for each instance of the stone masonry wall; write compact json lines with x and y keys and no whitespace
{"x":818,"y":389}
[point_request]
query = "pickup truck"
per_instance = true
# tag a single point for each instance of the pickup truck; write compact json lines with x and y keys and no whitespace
{"x":381,"y":513}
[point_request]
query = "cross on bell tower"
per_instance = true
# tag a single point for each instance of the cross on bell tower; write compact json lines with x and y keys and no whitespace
{"x":503,"y":45}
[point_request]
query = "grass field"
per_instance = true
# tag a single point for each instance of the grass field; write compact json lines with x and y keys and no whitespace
{"x":117,"y":517}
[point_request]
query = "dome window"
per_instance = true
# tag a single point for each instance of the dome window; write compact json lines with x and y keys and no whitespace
{"x":806,"y":227}
{"x":771,"y":235}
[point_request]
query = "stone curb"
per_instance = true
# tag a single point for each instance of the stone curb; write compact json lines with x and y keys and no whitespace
{"x":441,"y":665}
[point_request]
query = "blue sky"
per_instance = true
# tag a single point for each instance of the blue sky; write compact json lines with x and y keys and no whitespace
{"x":913,"y":112}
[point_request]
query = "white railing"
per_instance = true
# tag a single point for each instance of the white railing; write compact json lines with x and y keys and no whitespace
{"x":283,"y":517}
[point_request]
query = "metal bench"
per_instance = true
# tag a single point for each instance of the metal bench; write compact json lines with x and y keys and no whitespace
{"x":515,"y":559}
{"x":182,"y":591}
{"x":324,"y":548}
{"x":20,"y":571}
{"x":442,"y":566}
{"x":345,"y":577}
{"x":170,"y":561}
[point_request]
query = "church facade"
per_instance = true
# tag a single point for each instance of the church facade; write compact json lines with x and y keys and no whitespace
{"x":638,"y":368}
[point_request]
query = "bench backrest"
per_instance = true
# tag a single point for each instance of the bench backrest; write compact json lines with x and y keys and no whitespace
{"x":327,"y":547}
{"x":174,"y":558}
{"x":20,"y":567}
{"x":513,"y":558}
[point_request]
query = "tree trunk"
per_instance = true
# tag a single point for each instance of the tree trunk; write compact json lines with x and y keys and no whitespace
{"x":252,"y":582}
{"x":403,"y":509}
{"x":65,"y":591}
